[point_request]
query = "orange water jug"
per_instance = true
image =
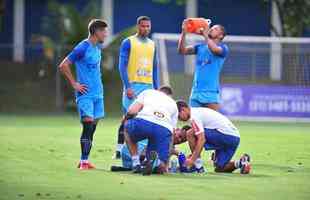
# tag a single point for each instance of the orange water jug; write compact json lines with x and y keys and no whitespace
{"x":194,"y":25}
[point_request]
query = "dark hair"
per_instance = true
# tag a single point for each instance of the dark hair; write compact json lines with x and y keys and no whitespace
{"x":166,"y":89}
{"x":186,"y":127}
{"x":96,"y":24}
{"x":181,"y":104}
{"x":142,"y":18}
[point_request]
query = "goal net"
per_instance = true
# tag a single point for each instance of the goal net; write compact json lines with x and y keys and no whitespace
{"x":263,"y":78}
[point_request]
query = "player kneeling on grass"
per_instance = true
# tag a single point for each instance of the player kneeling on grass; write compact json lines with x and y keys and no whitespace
{"x":156,"y":116}
{"x":213,"y":131}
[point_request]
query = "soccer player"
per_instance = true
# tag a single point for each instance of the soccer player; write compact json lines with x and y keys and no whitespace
{"x":156,"y":117}
{"x":87,"y":85}
{"x":213,"y":131}
{"x":179,"y":137}
{"x":138,"y":69}
{"x":210,"y":57}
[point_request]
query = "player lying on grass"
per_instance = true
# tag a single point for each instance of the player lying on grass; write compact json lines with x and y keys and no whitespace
{"x":87,"y":86}
{"x":156,"y":116}
{"x":179,"y":136}
{"x":213,"y":131}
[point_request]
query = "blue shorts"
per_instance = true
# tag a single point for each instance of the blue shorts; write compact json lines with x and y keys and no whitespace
{"x":159,"y":137}
{"x":90,"y":107}
{"x":126,"y":157}
{"x":224,"y":145}
{"x":201,"y":99}
{"x":137,"y":89}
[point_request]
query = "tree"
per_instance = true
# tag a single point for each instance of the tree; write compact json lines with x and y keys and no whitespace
{"x":64,"y":26}
{"x":294,"y":17}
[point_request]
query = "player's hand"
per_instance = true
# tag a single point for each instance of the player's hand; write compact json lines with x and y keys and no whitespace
{"x":130,"y":93}
{"x":203,"y":31}
{"x":189,"y":162}
{"x":80,"y":88}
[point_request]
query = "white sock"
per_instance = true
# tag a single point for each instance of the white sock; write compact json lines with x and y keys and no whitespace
{"x":198,"y":163}
{"x":135,"y":160}
{"x":84,"y":161}
{"x":157,"y":163}
{"x":237,"y":164}
{"x":119,"y":147}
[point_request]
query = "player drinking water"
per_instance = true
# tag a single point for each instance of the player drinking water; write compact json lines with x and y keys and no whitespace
{"x":210,"y":57}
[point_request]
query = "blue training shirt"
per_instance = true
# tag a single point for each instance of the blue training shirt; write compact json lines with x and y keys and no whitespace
{"x":123,"y":64}
{"x":208,"y":68}
{"x":87,"y":57}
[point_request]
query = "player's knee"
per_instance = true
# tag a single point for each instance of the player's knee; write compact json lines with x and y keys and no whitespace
{"x":218,"y":169}
{"x":213,"y":106}
{"x":88,"y":130}
{"x":88,"y":120}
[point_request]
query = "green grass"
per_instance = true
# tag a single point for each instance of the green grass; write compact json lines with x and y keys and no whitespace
{"x":39,"y":155}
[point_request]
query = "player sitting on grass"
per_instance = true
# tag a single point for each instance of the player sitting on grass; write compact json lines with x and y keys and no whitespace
{"x":156,"y":116}
{"x":213,"y":131}
{"x":88,"y":87}
{"x":179,"y":136}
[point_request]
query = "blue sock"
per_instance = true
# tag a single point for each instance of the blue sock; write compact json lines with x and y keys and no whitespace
{"x":85,"y":148}
{"x":86,"y":140}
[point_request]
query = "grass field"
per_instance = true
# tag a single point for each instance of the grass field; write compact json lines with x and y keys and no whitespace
{"x":39,"y":155}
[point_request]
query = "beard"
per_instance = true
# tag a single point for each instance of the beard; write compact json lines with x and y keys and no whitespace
{"x":144,"y":34}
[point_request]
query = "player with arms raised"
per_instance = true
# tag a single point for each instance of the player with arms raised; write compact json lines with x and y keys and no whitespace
{"x":210,"y":57}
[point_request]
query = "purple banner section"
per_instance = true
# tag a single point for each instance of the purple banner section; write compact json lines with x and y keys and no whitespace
{"x":265,"y":101}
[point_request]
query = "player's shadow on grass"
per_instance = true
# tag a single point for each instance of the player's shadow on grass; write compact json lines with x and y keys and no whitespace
{"x":213,"y":175}
{"x":208,"y":175}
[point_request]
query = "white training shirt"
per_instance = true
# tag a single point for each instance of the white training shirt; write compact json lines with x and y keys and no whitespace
{"x":207,"y":118}
{"x":158,"y":108}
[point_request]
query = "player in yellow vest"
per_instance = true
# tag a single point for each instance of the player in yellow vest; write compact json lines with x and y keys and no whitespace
{"x":138,"y":69}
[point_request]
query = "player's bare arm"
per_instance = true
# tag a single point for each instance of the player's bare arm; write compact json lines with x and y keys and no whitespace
{"x":182,"y":49}
{"x":198,"y":148}
{"x":212,"y":44}
{"x":65,"y":69}
{"x":135,"y":108}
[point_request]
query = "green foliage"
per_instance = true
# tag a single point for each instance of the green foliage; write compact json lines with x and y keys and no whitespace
{"x":66,"y":24}
{"x":294,"y":16}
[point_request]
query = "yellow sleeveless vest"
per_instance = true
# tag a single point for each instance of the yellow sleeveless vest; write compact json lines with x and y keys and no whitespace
{"x":140,"y":64}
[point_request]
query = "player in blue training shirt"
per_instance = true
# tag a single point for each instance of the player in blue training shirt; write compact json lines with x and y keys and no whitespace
{"x":87,"y":86}
{"x":210,"y":57}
